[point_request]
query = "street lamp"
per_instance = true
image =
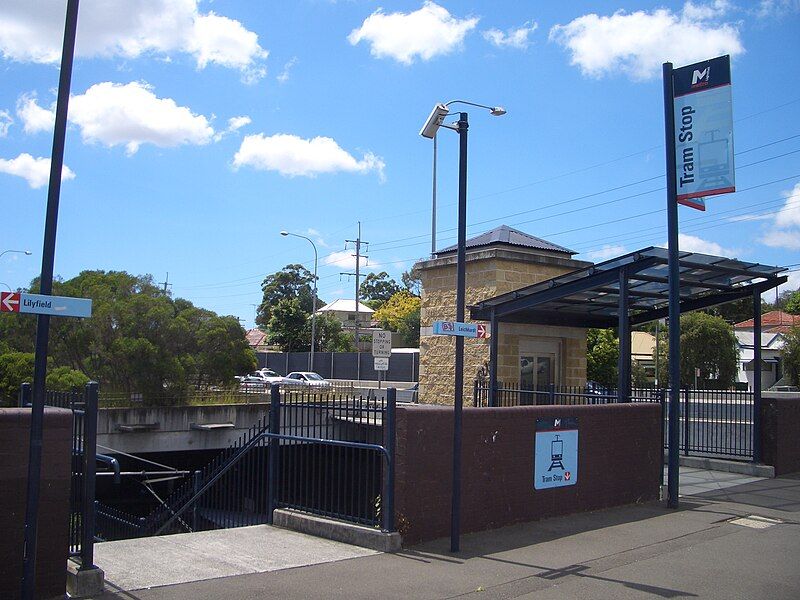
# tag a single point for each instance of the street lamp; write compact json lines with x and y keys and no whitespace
{"x":432,"y":125}
{"x":313,"y":302}
{"x":25,"y":252}
{"x":440,"y":111}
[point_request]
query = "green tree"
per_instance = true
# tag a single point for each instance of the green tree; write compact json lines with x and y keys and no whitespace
{"x":15,"y":369}
{"x":793,"y":303}
{"x":412,"y":280}
{"x":293,"y":282}
{"x":64,"y":379}
{"x":378,"y":287}
{"x":287,"y":326}
{"x":409,"y":328}
{"x":790,"y":353}
{"x":396,"y":310}
{"x":602,"y":356}
{"x":707,"y":342}
{"x":330,"y":337}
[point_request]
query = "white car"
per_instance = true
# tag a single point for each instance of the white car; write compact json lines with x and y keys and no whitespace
{"x":269,"y":376}
{"x":307,"y":378}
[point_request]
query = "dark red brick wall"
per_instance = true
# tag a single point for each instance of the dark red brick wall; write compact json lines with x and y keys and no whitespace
{"x":619,"y":462}
{"x":52,"y":546}
{"x":780,"y":431}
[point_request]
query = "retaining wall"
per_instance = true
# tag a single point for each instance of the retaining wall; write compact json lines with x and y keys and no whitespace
{"x":53,"y":526}
{"x":619,"y":462}
{"x":780,"y":431}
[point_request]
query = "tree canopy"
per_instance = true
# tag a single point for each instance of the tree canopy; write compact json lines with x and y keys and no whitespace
{"x":293,"y":282}
{"x":790,"y":353}
{"x":401,"y":313}
{"x":378,"y":287}
{"x":793,"y":303}
{"x":707,"y":342}
{"x":602,"y":354}
{"x":138,"y":339}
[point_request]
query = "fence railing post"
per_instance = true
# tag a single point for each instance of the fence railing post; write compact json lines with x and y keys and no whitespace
{"x":389,"y":436}
{"x":274,"y":448}
{"x":24,"y":395}
{"x":686,"y":406}
{"x":197,"y":482}
{"x":475,"y":402}
{"x":89,"y":473}
{"x":552,"y":394}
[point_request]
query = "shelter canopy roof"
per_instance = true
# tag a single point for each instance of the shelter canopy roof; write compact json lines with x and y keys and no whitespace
{"x":590,"y":297}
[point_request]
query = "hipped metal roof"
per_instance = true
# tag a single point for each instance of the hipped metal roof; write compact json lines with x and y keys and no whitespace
{"x":590,"y":297}
{"x":510,"y":236}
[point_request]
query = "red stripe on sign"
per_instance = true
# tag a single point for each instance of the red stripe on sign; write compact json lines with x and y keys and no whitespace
{"x":726,"y":190}
{"x":701,"y":89}
{"x":691,"y":204}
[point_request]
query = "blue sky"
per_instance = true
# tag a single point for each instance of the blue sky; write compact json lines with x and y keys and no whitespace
{"x":199,"y":130}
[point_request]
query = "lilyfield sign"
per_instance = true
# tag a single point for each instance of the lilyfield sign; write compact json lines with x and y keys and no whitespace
{"x":56,"y":306}
{"x":703,"y":131}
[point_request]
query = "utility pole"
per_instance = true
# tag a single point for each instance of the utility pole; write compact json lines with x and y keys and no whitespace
{"x":357,"y":275}
{"x":166,"y":283}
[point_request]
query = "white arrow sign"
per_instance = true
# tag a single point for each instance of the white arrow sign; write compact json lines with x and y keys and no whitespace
{"x":10,"y":302}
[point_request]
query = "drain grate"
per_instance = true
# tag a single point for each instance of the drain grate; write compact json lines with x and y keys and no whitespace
{"x":754,"y":521}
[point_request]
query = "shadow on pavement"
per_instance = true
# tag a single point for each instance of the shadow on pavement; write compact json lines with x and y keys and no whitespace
{"x":782,"y":493}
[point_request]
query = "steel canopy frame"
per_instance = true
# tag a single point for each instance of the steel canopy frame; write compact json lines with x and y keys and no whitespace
{"x":623,"y":292}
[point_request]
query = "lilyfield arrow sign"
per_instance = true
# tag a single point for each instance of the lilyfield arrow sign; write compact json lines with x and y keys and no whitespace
{"x":38,"y":304}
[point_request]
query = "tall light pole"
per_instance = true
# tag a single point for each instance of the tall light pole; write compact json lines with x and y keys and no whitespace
{"x":495,"y":111}
{"x":314,"y":301}
{"x":432,"y":125}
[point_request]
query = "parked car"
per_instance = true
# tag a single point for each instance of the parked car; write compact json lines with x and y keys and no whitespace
{"x":251,"y":383}
{"x":269,"y":376}
{"x":307,"y":378}
{"x":408,"y":394}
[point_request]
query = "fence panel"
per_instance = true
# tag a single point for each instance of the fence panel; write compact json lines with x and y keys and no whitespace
{"x":712,"y":422}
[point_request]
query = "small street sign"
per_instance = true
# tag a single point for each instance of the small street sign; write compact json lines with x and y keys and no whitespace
{"x":469,"y":330}
{"x":38,"y":304}
{"x":381,"y":344}
{"x":381,"y":364}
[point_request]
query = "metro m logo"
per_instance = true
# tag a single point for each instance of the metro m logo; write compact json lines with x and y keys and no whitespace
{"x":701,"y":77}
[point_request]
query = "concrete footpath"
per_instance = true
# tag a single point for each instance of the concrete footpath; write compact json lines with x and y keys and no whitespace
{"x":733,"y":537}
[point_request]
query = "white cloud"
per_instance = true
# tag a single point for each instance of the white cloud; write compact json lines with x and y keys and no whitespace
{"x":776,"y":8}
{"x":235,"y":123}
{"x":283,"y":76}
{"x":33,"y":31}
{"x":34,"y":117}
{"x":294,"y":156}
{"x":5,"y":122}
{"x":425,"y":33}
{"x":345,"y":260}
{"x":784,"y":232}
{"x":792,"y":284}
{"x":512,"y":38}
{"x":606,"y":252}
{"x":36,"y":171}
{"x":131,"y":114}
{"x":692,"y":243}
{"x":637,"y":43}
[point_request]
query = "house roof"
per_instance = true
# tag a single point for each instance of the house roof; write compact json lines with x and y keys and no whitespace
{"x":510,"y":236}
{"x":256,"y":337}
{"x":774,"y":321}
{"x":344,"y":305}
{"x":771,"y":339}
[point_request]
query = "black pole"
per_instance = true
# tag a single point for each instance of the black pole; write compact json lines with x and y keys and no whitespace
{"x":274,"y":449}
{"x":674,"y":292}
{"x":493,"y":343}
{"x":756,"y":376}
{"x":390,"y":435}
{"x":89,"y":473}
{"x":43,"y":321}
{"x":624,"y":362}
{"x":461,"y":272}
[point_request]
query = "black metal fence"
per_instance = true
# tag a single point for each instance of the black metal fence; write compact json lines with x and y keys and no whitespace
{"x":712,"y":422}
{"x":317,"y":451}
{"x":83,"y":404}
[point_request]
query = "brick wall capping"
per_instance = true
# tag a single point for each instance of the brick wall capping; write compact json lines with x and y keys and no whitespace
{"x":531,"y":256}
